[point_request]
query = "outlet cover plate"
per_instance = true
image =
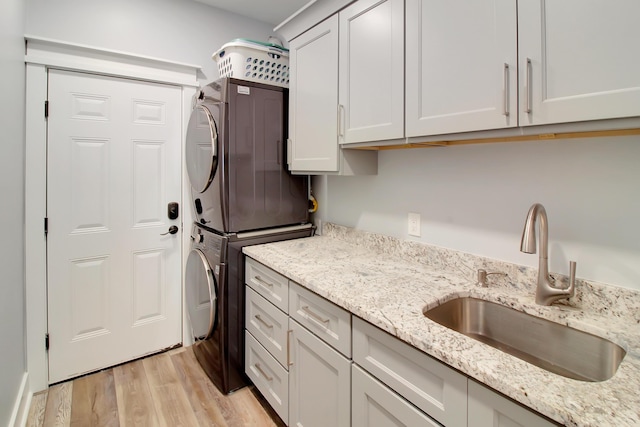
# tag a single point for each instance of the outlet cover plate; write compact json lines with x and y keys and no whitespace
{"x":414,"y":224}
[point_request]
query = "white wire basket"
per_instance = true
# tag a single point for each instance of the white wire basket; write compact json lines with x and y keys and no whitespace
{"x":254,"y":61}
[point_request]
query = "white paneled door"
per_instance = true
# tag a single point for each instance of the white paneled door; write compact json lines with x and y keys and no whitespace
{"x":114,"y":282}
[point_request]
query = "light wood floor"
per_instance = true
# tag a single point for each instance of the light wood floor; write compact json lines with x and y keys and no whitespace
{"x":168,"y":389}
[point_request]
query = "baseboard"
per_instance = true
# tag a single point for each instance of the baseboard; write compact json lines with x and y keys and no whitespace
{"x":20,"y":411}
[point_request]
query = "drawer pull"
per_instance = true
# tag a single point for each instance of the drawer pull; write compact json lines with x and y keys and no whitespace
{"x":319,"y":318}
{"x":263,"y":373}
{"x":264,"y":282}
{"x":506,"y":90}
{"x":289,"y":363}
{"x":261,"y":320}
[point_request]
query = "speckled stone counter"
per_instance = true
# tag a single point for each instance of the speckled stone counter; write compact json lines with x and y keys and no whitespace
{"x":389,"y":282}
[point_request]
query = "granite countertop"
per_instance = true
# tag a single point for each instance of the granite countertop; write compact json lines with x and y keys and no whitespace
{"x":389,"y":282}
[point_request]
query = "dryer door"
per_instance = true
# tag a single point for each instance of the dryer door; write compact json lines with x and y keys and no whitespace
{"x":201,"y":146}
{"x":201,"y":292}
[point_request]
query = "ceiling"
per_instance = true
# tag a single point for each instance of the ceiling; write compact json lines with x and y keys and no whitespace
{"x":270,"y":11}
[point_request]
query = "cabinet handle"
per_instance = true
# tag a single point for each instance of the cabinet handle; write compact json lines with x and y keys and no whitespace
{"x":307,"y":310}
{"x":528,"y":88}
{"x":263,"y":373}
{"x":289,"y":363}
{"x":341,"y":120}
{"x":264,"y":282}
{"x":261,"y":320}
{"x":506,"y":90}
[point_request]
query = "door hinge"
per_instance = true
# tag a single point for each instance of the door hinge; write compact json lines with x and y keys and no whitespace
{"x":46,"y":109}
{"x":46,"y":341}
{"x":46,"y":225}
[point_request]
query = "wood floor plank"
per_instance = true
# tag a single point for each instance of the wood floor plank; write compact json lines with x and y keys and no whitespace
{"x":169,"y":389}
{"x":37,"y":410}
{"x":171,"y":402}
{"x":94,"y":401}
{"x":58,"y":406}
{"x":135,"y":403}
{"x":204,"y":398}
{"x":250,"y":412}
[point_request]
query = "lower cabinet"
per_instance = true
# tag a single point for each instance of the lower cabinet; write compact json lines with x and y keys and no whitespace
{"x":489,"y":409}
{"x":431,"y":386}
{"x":300,"y":359}
{"x":373,"y":404}
{"x":319,"y":382}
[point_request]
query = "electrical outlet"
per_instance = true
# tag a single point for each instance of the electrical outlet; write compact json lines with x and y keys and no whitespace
{"x":414,"y":224}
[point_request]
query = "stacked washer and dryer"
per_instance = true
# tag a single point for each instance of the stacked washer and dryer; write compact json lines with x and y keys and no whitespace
{"x":242,"y":195}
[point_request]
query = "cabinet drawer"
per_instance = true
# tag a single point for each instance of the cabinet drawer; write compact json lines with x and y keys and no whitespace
{"x":329,"y":322}
{"x":433,"y":387}
{"x":268,"y":376}
{"x":369,"y":396}
{"x":271,"y":285}
{"x":267,"y":324}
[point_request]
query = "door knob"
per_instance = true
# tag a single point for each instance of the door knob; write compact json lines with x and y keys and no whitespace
{"x":172,"y":230}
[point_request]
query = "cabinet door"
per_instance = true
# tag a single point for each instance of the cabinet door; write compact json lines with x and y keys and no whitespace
{"x":461,"y":66}
{"x":375,"y":405}
{"x":371,"y":78}
{"x":488,"y":409}
{"x":319,"y":382}
{"x":578,"y":60}
{"x":313,"y":97}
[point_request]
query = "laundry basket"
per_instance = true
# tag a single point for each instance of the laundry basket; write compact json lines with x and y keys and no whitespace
{"x":255,"y":61}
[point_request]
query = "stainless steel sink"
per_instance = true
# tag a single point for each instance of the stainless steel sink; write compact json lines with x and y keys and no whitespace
{"x":557,"y":348}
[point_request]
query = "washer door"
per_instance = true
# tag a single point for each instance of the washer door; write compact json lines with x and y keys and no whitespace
{"x":201,"y":293}
{"x":201,"y":145}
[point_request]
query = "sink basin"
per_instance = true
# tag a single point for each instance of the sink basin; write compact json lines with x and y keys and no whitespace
{"x":557,"y":348}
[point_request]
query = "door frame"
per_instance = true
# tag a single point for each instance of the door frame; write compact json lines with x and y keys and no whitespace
{"x":41,"y":55}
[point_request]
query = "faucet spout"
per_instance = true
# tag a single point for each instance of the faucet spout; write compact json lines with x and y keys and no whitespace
{"x":546,"y":292}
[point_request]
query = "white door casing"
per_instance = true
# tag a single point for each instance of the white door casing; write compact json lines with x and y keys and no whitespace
{"x":114,"y":163}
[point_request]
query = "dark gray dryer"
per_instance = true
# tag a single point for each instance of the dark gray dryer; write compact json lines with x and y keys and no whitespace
{"x":236,"y":159}
{"x":215,"y":295}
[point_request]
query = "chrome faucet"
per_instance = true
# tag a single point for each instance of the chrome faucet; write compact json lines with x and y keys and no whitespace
{"x":546,"y":293}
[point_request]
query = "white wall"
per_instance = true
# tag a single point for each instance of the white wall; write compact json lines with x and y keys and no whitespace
{"x":178,"y":30}
{"x":12,"y":308}
{"x":475,"y":199}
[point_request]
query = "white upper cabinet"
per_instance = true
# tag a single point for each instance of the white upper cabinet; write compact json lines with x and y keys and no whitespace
{"x":579,"y":60}
{"x":371,"y":77}
{"x":461,"y":66}
{"x":313,"y":98}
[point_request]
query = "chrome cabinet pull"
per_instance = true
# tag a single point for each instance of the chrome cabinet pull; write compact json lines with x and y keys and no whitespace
{"x":307,"y":310}
{"x":264,"y":282}
{"x":528,"y":88}
{"x":506,"y":90}
{"x":263,"y":373}
{"x":261,"y":320}
{"x":341,"y":120}
{"x":289,"y":363}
